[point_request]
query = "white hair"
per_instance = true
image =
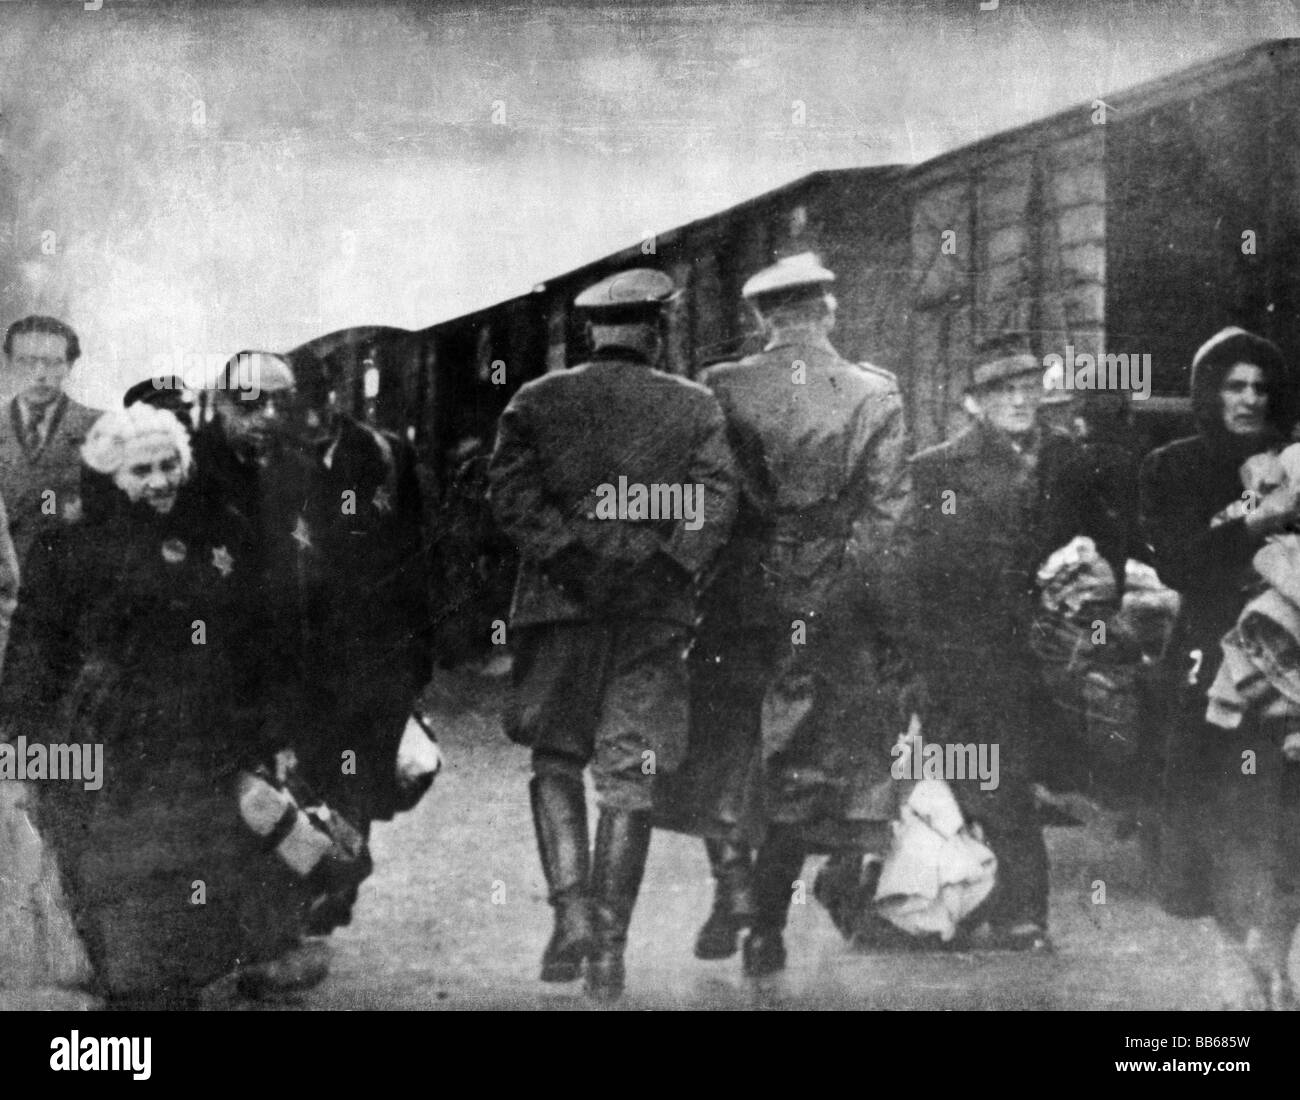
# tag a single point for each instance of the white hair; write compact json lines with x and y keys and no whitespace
{"x":105,"y":448}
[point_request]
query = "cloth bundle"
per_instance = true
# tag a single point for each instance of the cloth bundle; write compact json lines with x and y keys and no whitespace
{"x":1076,"y":579}
{"x":419,"y":760}
{"x":1261,"y":653}
{"x":1089,"y":675}
{"x":937,"y":871}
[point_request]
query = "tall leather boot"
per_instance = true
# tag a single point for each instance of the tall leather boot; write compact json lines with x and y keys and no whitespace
{"x":560,"y":819}
{"x":779,"y":861}
{"x":622,"y":843}
{"x":733,"y":900}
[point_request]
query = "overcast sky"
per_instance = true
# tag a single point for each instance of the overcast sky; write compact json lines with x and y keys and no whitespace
{"x":190,"y":179}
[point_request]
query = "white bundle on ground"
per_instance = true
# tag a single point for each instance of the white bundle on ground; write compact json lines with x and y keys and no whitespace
{"x":937,"y":871}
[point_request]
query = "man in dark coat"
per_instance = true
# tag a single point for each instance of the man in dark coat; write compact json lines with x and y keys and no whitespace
{"x":615,"y":482}
{"x":338,"y":513}
{"x":791,"y":719}
{"x":1228,"y":834}
{"x":991,"y":505}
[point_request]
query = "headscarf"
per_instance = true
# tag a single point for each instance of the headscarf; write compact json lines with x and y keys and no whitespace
{"x":1211,"y":364}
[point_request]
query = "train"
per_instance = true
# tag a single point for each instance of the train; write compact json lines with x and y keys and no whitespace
{"x":1139,"y":225}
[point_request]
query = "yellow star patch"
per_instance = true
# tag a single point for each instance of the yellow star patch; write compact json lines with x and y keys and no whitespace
{"x":222,"y":560}
{"x":302,"y":533}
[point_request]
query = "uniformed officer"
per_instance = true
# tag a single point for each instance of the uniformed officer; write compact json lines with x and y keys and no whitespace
{"x":789,"y":682}
{"x":615,"y":482}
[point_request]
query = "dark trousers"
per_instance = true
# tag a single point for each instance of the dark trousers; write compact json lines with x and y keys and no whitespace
{"x":1020,"y":893}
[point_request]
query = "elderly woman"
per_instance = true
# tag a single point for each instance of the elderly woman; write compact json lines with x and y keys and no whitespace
{"x":133,"y":633}
{"x":1231,"y":830}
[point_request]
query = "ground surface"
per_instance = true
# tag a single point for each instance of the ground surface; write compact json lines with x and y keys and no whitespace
{"x":428,"y":933}
{"x":455,"y":916}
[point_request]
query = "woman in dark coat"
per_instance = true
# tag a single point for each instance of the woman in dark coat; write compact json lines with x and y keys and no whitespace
{"x":133,"y":633}
{"x":1231,"y":826}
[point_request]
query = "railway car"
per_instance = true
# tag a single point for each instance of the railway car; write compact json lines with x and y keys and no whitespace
{"x":1136,"y":225}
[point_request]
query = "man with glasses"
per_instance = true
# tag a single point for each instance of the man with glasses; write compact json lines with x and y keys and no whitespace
{"x":335,"y":508}
{"x":40,"y":439}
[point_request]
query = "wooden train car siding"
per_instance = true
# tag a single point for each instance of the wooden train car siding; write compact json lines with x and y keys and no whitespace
{"x":1112,"y":231}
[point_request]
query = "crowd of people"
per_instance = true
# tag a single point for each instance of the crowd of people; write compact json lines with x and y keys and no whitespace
{"x":225,"y":593}
{"x":740,"y":602}
{"x":755,"y":679}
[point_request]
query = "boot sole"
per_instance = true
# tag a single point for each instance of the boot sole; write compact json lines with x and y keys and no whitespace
{"x":715,"y":953}
{"x":712,"y":946}
{"x":567,"y":965}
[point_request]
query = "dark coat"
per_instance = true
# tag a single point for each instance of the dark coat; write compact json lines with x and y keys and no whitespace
{"x":1227,"y":833}
{"x":1183,"y":485}
{"x":984,"y":521}
{"x":792,"y":715}
{"x":104,"y":651}
{"x":369,"y":632}
{"x":341,"y":568}
{"x":561,"y":439}
{"x":565,"y":435}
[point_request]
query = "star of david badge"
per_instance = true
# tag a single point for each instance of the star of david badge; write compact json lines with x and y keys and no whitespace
{"x":302,"y":534}
{"x":222,"y":560}
{"x":382,"y":500}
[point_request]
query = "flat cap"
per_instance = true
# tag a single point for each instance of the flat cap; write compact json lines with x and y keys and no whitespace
{"x":999,"y":370}
{"x":794,"y":272}
{"x":638,"y":291}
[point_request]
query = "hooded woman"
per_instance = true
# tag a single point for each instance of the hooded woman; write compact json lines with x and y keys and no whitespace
{"x":1231,"y":819}
{"x":133,"y":634}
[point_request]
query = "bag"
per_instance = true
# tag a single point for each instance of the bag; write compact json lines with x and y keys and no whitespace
{"x":419,"y":761}
{"x":937,"y":871}
{"x":306,"y":834}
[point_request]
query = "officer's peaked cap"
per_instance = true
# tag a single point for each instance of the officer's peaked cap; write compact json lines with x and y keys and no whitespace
{"x":637,"y":294}
{"x":790,"y":277}
{"x":999,"y":370}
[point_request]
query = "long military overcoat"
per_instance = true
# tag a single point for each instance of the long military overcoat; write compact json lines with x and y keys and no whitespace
{"x":572,"y":447}
{"x":792,"y":702}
